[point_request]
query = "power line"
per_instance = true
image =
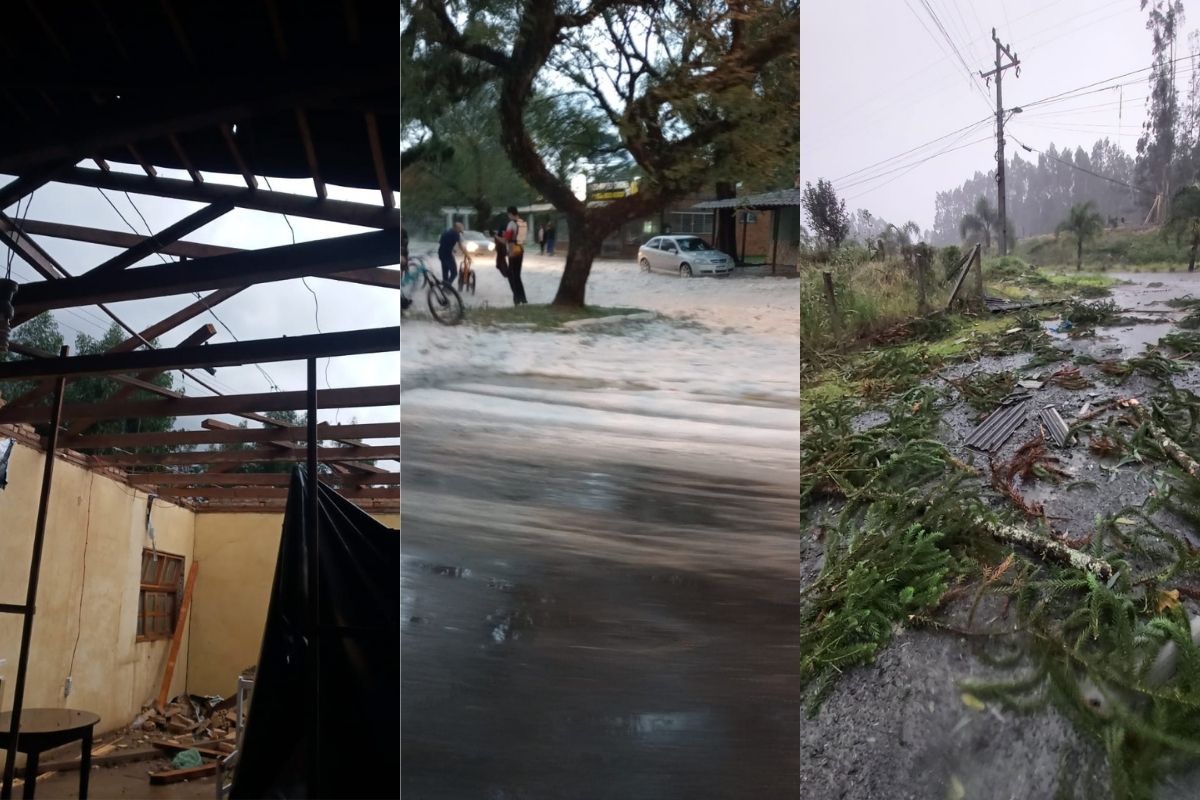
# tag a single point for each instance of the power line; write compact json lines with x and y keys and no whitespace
{"x":1083,"y":169}
{"x":949,"y":40}
{"x":890,"y":159}
{"x":911,"y":167}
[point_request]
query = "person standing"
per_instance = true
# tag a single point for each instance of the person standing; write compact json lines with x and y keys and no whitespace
{"x":550,"y":238}
{"x":541,"y":236}
{"x":450,"y":240}
{"x":515,"y":235}
{"x":501,"y":253}
{"x":404,"y":301}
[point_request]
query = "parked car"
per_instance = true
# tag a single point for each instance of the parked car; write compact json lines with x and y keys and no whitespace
{"x":684,"y":256}
{"x":477,"y":244}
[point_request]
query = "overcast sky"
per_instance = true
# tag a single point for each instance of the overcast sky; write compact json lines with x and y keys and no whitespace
{"x":265,"y":311}
{"x":878,"y":78}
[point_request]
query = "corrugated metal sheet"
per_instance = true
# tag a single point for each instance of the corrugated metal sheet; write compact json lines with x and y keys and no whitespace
{"x":1000,"y":424}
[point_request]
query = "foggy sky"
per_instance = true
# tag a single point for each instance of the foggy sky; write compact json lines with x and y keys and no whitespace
{"x":874,"y":83}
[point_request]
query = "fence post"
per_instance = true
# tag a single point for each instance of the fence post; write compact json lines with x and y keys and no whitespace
{"x":979,"y":295}
{"x":922,"y":258}
{"x":834,"y":317}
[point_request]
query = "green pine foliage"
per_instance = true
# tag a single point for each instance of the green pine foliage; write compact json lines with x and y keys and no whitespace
{"x":872,"y":582}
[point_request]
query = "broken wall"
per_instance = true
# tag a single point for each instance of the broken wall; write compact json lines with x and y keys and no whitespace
{"x":237,"y":554}
{"x":86,"y":621}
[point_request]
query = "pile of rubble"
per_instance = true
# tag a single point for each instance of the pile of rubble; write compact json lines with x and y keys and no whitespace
{"x":192,"y":716}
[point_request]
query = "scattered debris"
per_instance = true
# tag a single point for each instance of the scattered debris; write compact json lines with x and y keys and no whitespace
{"x":1069,"y":378}
{"x":983,"y":391}
{"x":1049,"y":548}
{"x":1054,"y":423}
{"x":1031,"y":384}
{"x":1001,"y":424}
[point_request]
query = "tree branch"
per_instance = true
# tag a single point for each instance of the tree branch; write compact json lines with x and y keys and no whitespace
{"x":452,"y":38}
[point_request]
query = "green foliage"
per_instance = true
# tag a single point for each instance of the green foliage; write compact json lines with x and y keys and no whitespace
{"x":950,"y":258}
{"x":873,"y":580}
{"x":983,"y":391}
{"x":826,"y":213}
{"x":1084,"y":314}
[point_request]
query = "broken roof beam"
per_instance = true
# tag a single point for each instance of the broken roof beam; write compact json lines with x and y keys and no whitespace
{"x":79,"y":425}
{"x":295,"y":205}
{"x":15,"y":238}
{"x":132,"y":343}
{"x":226,"y":354}
{"x":82,"y":233}
{"x":309,"y":259}
{"x":377,"y":157}
{"x":252,"y":479}
{"x":231,"y":142}
{"x":371,"y":276}
{"x":187,"y":406}
{"x":270,"y":492}
{"x":182,"y":155}
{"x":283,"y":441}
{"x":172,"y":233}
{"x":235,"y":435}
{"x":310,"y":153}
{"x":250,"y":456}
{"x":146,"y":166}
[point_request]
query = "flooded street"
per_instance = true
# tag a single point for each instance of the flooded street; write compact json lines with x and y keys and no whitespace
{"x":594,"y":621}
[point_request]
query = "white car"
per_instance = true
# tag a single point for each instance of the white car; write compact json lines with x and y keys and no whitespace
{"x":684,"y":256}
{"x":477,"y":244}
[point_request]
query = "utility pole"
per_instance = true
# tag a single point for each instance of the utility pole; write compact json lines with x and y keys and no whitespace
{"x":1001,"y":50}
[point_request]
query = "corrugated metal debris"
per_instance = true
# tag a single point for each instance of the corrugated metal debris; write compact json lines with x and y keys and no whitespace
{"x":1054,"y":424}
{"x":1000,"y":424}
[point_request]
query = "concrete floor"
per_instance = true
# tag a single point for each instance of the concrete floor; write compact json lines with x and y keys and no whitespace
{"x":123,"y":781}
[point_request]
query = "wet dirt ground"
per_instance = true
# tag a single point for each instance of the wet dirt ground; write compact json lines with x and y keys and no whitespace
{"x":595,"y":623}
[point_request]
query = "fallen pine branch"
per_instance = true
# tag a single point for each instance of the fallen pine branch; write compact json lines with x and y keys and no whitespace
{"x":1168,"y":445}
{"x":1046,"y":547}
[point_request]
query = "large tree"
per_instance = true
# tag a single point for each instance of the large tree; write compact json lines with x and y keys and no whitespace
{"x":697,"y":92}
{"x":826,"y":213}
{"x":1156,"y":147}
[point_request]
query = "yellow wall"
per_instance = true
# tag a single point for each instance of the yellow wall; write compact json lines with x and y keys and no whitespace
{"x":237,"y":554}
{"x":113,"y":675}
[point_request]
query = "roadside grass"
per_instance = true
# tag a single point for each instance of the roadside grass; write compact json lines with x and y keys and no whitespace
{"x":1121,"y":250}
{"x":541,"y":317}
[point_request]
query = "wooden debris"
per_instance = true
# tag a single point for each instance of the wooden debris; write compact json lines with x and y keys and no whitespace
{"x":179,"y":747}
{"x":179,"y":775}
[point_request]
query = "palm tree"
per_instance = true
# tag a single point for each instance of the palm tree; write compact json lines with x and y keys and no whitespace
{"x":896,"y":238}
{"x":1185,"y":219}
{"x":1083,"y":222}
{"x":980,"y":224}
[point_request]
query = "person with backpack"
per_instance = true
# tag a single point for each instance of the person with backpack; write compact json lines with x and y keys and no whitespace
{"x":515,"y":235}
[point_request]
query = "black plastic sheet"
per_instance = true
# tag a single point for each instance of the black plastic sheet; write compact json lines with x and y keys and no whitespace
{"x":359,"y":655}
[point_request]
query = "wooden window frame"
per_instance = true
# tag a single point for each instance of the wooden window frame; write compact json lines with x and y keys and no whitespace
{"x":157,"y":584}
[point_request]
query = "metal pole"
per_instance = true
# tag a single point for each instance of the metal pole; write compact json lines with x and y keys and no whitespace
{"x":312,"y":537}
{"x":35,"y":568}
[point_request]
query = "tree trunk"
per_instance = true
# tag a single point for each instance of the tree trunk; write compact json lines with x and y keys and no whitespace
{"x":1192,"y":259}
{"x":582,"y":249}
{"x":1079,"y":254}
{"x":725,"y":236}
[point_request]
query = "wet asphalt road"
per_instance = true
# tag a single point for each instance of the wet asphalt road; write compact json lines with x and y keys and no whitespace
{"x":595,"y":625}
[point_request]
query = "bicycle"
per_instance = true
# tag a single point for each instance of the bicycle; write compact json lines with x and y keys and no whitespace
{"x":466,"y":276}
{"x":444,"y":303}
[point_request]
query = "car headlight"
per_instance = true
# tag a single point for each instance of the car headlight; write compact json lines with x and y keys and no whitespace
{"x":472,"y":247}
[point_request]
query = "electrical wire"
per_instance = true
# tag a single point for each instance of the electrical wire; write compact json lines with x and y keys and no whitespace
{"x":266,"y":375}
{"x":87,"y":532}
{"x":910,"y":167}
{"x":1082,"y":169}
{"x":911,"y":164}
{"x":954,"y":48}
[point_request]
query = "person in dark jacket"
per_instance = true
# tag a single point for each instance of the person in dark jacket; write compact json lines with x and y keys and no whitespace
{"x":501,"y":254}
{"x":404,"y":301}
{"x":450,"y":241}
{"x":550,"y":232}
